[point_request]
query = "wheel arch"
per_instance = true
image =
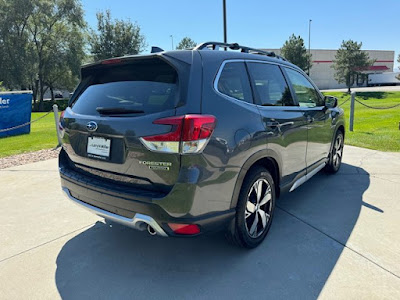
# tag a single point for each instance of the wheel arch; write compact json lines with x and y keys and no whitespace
{"x":267,"y":159}
{"x":339,"y":127}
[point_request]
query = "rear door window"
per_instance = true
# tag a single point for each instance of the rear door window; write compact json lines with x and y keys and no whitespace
{"x":234,"y":82}
{"x":270,"y":87}
{"x":146,"y":86}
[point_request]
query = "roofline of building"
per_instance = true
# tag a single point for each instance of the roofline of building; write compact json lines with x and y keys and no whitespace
{"x":318,"y":49}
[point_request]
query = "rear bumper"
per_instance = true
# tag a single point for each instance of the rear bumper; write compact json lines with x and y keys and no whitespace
{"x":139,"y":221}
{"x":138,"y":209}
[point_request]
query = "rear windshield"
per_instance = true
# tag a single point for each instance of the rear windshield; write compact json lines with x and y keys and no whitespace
{"x":145,"y":87}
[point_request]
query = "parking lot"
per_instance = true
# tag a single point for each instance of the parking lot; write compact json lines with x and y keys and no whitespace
{"x":336,"y":236}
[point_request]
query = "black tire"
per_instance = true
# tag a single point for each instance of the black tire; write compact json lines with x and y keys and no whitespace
{"x":238,"y":231}
{"x":336,"y":155}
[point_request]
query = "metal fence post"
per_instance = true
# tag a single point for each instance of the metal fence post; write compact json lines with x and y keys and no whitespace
{"x":353,"y":97}
{"x":55,"y":110}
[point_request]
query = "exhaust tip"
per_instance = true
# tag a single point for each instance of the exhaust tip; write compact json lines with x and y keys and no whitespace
{"x":151,"y":230}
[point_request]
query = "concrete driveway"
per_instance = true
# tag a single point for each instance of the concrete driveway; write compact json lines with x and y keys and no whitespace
{"x":334,"y":237}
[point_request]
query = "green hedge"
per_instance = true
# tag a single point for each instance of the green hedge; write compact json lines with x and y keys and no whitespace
{"x":48,"y":105}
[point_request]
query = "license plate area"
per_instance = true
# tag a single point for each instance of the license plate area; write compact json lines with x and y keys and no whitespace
{"x":98,"y":147}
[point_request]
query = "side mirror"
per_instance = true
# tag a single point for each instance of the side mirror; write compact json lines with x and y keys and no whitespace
{"x":330,"y":101}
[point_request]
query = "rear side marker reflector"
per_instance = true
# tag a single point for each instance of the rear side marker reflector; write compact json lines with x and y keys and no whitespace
{"x":189,"y":134}
{"x":187,"y":229}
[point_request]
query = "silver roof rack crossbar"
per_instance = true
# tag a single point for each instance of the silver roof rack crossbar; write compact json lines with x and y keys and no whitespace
{"x":235,"y":46}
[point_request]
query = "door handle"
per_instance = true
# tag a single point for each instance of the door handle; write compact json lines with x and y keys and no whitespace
{"x":274,"y":123}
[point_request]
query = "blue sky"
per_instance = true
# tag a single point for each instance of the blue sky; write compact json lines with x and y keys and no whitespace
{"x":257,"y":23}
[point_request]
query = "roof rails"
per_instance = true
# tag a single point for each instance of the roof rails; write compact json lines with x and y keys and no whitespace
{"x":236,"y":46}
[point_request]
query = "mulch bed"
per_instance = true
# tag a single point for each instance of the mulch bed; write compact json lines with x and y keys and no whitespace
{"x":26,"y":158}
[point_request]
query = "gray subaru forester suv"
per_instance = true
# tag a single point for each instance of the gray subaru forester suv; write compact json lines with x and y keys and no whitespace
{"x":186,"y":142}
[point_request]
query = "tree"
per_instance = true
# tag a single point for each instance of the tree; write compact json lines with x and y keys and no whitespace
{"x":186,"y":43}
{"x":115,"y":38}
{"x":52,"y":28}
{"x":350,"y":60}
{"x":398,"y":60}
{"x":15,"y":54}
{"x":37,"y":37}
{"x":295,"y":52}
{"x":2,"y":88}
{"x":62,"y":71}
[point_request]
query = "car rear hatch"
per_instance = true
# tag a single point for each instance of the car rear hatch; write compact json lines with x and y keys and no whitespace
{"x":114,"y":106}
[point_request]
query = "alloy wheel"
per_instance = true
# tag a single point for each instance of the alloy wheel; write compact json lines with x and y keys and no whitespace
{"x":258,"y":208}
{"x":337,"y":151}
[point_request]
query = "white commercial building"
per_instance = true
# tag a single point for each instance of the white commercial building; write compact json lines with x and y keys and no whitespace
{"x":322,"y":72}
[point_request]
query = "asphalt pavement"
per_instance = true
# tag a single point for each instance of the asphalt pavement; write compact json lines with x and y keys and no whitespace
{"x":337,"y":236}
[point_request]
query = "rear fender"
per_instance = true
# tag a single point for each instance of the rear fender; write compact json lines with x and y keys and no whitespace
{"x":251,"y":161}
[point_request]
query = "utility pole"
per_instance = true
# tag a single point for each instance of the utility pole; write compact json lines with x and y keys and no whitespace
{"x":309,"y":46}
{"x":172,"y":41}
{"x":224,"y":12}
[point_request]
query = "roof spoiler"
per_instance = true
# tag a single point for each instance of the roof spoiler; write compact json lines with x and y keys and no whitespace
{"x":155,"y":49}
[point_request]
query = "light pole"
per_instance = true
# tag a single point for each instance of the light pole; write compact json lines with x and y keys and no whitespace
{"x":309,"y":46}
{"x":224,"y":12}
{"x":172,"y":41}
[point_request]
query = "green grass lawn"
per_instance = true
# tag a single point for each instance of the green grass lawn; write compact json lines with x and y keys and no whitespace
{"x":43,"y":136}
{"x":373,"y":128}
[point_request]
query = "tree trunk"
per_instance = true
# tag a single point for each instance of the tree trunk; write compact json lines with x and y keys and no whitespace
{"x":348,"y":83}
{"x":52,"y":94}
{"x":41,"y":93}
{"x":35,"y":91}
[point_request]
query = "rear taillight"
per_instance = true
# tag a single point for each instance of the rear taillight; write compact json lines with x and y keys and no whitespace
{"x":189,"y":134}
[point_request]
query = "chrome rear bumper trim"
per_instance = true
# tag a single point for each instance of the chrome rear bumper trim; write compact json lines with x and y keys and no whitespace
{"x":138,"y":222}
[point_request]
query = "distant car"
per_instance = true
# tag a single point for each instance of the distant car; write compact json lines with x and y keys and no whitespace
{"x":192,"y":141}
{"x":58,"y":95}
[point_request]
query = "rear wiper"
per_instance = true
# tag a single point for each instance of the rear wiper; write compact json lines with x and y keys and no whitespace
{"x":117,"y":110}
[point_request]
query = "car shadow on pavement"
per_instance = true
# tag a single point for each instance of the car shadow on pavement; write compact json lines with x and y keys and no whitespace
{"x":310,"y":229}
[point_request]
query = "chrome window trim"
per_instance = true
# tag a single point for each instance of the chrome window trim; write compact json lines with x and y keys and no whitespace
{"x":215,"y":85}
{"x":216,"y":80}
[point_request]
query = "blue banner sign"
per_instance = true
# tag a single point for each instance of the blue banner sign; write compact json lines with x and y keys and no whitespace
{"x":15,"y":110}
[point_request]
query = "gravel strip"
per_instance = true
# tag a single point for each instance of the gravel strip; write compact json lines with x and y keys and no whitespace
{"x":26,"y":158}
